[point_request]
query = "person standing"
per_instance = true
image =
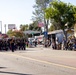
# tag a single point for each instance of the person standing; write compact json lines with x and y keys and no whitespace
{"x":12,"y":45}
{"x":23,"y":45}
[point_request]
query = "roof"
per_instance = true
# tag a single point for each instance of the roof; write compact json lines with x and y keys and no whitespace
{"x":59,"y":31}
{"x":31,"y":32}
{"x":56,"y":31}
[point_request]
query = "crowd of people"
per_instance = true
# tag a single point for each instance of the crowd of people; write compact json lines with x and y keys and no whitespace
{"x":12,"y":44}
{"x":69,"y":44}
{"x":20,"y":44}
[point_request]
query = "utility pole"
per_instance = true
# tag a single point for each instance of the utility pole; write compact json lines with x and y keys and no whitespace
{"x":5,"y":28}
{"x":1,"y":26}
{"x":45,"y":31}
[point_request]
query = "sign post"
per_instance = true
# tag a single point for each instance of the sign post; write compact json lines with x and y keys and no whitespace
{"x":45,"y":38}
{"x":45,"y":34}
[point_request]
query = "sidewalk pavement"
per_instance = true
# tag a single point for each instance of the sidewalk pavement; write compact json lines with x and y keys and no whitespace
{"x":40,"y":47}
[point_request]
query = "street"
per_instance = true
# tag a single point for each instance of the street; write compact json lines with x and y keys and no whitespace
{"x":38,"y":61}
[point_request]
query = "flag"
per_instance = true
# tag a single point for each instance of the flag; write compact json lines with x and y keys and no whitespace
{"x":40,"y":24}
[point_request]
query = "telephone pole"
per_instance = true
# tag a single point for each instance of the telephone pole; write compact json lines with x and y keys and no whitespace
{"x":5,"y":28}
{"x":1,"y":25}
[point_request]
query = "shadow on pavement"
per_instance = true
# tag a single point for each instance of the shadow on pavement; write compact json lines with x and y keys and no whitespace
{"x":2,"y":67}
{"x":13,"y":73}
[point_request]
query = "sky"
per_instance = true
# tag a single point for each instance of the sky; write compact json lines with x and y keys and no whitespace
{"x":15,"y":12}
{"x":18,"y":12}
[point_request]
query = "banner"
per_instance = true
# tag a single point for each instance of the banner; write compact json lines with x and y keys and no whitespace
{"x":11,"y":26}
{"x":40,"y":24}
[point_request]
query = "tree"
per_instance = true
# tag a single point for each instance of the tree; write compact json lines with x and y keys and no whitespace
{"x":24,"y":27}
{"x":54,"y":25}
{"x":18,"y":33}
{"x":15,"y":33}
{"x":34,"y":26}
{"x":39,"y":13}
{"x":9,"y":32}
{"x":52,"y":28}
{"x":39,"y":9}
{"x":62,"y":13}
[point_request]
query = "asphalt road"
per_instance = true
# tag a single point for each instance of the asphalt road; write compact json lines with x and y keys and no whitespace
{"x":38,"y":61}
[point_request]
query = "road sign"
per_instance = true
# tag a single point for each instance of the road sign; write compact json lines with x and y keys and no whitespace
{"x":45,"y":34}
{"x":11,"y":26}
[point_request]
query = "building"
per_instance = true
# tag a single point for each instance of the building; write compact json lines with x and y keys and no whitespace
{"x":59,"y":34}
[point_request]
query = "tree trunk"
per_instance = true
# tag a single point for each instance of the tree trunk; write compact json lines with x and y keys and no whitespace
{"x":46,"y":31}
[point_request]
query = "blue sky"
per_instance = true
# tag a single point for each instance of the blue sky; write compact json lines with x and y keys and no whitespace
{"x":18,"y":11}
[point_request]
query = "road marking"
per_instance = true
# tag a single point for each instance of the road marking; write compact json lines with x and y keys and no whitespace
{"x":42,"y":61}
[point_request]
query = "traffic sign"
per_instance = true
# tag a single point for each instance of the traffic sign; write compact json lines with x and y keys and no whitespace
{"x":45,"y":34}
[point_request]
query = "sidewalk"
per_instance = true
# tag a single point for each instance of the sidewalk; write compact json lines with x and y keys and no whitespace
{"x":40,"y":47}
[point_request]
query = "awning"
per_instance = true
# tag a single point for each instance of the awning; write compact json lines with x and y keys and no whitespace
{"x":31,"y":32}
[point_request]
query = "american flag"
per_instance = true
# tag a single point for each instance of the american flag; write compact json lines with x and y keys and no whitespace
{"x":40,"y":24}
